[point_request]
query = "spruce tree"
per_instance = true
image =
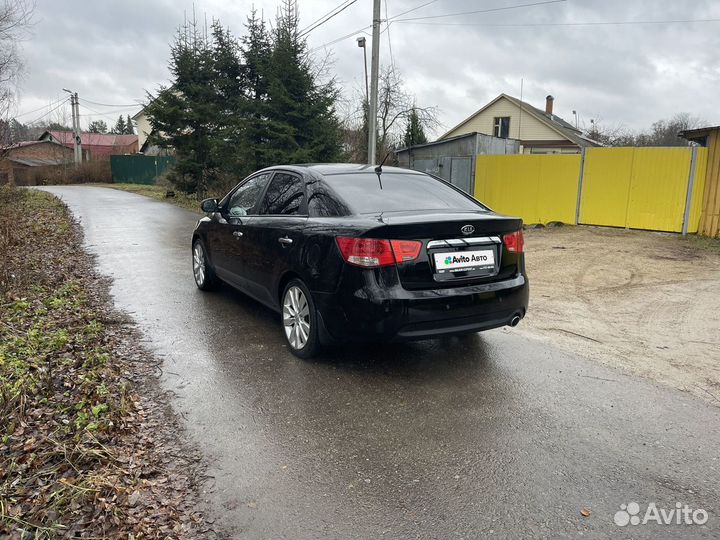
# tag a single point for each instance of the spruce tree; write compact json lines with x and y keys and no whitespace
{"x":414,"y":132}
{"x":301,"y":110}
{"x":256,"y":50}
{"x":129,"y":130}
{"x":119,"y":127}
{"x":97,"y":126}
{"x":228,"y":146}
{"x":235,"y":107}
{"x":184,"y":112}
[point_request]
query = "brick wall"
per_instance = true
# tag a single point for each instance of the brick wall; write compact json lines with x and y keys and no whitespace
{"x":41,"y":150}
{"x":17,"y":174}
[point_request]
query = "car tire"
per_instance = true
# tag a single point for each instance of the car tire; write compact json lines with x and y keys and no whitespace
{"x":299,"y":320}
{"x":203,"y":272}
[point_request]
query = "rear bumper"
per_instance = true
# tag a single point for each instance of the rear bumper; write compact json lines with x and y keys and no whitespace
{"x":380,"y":309}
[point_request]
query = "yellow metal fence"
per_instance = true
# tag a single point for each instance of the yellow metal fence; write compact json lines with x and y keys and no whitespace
{"x":639,"y":188}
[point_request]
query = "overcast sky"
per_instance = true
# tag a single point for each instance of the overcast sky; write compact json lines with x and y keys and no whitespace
{"x":630,"y":75}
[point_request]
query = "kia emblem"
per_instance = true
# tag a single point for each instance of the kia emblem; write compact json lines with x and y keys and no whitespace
{"x":467,"y":229}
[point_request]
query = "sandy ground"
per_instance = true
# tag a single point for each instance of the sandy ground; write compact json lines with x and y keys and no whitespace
{"x":645,"y":302}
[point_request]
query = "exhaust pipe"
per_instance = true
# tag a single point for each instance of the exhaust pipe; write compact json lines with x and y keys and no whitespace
{"x":515,"y":320}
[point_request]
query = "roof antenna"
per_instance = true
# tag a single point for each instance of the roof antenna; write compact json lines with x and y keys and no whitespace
{"x":378,"y":169}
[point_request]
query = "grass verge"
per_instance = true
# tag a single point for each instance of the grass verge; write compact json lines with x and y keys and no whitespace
{"x":87,"y":445}
{"x":189,"y":202}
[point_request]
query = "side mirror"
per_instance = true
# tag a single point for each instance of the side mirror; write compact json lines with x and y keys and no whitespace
{"x":209,"y":206}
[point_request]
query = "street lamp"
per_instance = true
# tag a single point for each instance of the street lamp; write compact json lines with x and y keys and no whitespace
{"x":361,"y":44}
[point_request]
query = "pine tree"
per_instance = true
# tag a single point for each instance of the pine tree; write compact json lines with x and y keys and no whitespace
{"x":414,"y":132}
{"x":119,"y":127}
{"x":129,"y":129}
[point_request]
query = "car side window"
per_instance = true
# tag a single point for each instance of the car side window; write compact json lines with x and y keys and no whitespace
{"x":284,"y":196}
{"x":244,"y":201}
{"x":322,"y":202}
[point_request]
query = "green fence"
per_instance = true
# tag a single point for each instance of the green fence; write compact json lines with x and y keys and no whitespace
{"x":138,"y":169}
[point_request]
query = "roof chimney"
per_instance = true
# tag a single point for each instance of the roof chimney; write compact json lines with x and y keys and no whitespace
{"x":549,"y":104}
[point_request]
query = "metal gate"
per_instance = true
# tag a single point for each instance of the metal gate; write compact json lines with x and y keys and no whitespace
{"x":461,"y":173}
{"x":456,"y":170}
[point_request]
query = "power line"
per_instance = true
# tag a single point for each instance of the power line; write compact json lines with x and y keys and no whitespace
{"x":111,"y":111}
{"x":110,"y":105}
{"x":490,"y":10}
{"x":395,"y":18}
{"x":334,"y":41}
{"x":39,"y":108}
{"x":63,"y":102}
{"x":411,"y":10}
{"x":323,"y":16}
{"x":598,"y":23}
{"x":337,"y":40}
{"x":387,"y":27}
{"x":107,"y":114}
{"x":306,"y":32}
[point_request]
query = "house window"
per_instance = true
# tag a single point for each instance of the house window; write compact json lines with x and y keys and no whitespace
{"x":502,"y":127}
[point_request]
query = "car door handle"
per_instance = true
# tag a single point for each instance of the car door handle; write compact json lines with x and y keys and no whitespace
{"x":237,"y":234}
{"x":285,"y":240}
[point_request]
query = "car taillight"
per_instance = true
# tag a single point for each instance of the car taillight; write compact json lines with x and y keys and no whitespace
{"x":405,"y":250}
{"x":367,"y":252}
{"x":374,"y":252}
{"x":514,"y":242}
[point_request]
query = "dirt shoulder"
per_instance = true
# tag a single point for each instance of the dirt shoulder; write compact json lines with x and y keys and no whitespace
{"x":648,"y":303}
{"x":88,"y":443}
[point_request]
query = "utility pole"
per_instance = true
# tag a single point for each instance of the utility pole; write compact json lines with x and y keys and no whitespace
{"x":374,"y":71}
{"x":75,"y":108}
{"x":78,"y":140}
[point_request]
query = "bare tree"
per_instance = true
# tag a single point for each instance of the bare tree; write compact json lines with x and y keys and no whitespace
{"x":608,"y":135}
{"x":666,"y":132}
{"x":15,"y":21}
{"x":353,"y":126}
{"x":395,"y":107}
{"x":661,"y":133}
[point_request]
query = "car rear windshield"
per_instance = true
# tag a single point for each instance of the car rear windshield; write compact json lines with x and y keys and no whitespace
{"x":400,"y":192}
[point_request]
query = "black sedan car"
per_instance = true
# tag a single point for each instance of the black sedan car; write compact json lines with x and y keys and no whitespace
{"x":353,"y":252}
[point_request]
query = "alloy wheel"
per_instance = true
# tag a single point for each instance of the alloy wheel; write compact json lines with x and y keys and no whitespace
{"x":296,"y":317}
{"x":199,"y":265}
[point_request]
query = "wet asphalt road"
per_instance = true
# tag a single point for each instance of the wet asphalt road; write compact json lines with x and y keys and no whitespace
{"x":490,"y":435}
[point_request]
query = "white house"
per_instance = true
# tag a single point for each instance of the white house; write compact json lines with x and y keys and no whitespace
{"x":143,"y":128}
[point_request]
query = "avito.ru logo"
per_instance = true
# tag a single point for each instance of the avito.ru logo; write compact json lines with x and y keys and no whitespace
{"x":682,"y":514}
{"x":465,"y":259}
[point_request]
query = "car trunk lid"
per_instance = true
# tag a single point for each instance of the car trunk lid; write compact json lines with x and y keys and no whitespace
{"x":458,"y":248}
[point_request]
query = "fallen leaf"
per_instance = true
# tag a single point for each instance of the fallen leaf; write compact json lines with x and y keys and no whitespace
{"x":585,"y":512}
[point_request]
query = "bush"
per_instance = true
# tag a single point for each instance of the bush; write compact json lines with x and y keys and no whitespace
{"x":89,"y":172}
{"x":85,"y":173}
